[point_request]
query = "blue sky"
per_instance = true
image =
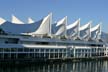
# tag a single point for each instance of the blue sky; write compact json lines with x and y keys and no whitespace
{"x":96,"y":10}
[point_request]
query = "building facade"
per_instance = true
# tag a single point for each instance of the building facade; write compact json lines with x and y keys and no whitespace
{"x":43,"y":40}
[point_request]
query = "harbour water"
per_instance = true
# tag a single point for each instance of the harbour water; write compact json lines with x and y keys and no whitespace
{"x":85,"y":66}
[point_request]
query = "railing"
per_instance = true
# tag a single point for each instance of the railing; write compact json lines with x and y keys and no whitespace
{"x":45,"y":46}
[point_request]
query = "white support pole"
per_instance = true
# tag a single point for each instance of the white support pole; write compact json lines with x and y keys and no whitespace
{"x":10,"y":53}
{"x":54,"y":54}
{"x":3,"y":53}
{"x":49,"y":54}
{"x":58,"y":54}
{"x":74,"y":51}
{"x":62,"y":53}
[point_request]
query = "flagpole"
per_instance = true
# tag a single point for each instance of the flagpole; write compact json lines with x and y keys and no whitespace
{"x":100,"y":30}
{"x":65,"y":27}
{"x":50,"y":21}
{"x":78,"y":28}
{"x":90,"y":30}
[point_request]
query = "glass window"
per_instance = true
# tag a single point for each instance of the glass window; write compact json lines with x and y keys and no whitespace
{"x":64,"y":50}
{"x":60,"y":50}
{"x":51,"y":50}
{"x":20,"y":49}
{"x":6,"y":49}
{"x":42,"y":50}
{"x":26,"y":49}
{"x":1,"y":49}
{"x":31,"y":50}
{"x":36,"y":50}
{"x":13,"y":49}
{"x":56,"y":50}
{"x":47,"y":50}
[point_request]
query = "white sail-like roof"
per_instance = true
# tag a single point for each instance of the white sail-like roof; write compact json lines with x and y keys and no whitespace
{"x":95,"y":28}
{"x":73,"y":29}
{"x":70,"y":26}
{"x":16,"y":20}
{"x":61,"y":24}
{"x":85,"y":26}
{"x":13,"y":28}
{"x":2,"y":21}
{"x":30,"y":20}
{"x":85,"y":31}
{"x":62,"y":21}
{"x":96,"y":32}
{"x":45,"y":26}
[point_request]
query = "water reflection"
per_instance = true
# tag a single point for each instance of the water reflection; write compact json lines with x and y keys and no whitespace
{"x":91,"y":66}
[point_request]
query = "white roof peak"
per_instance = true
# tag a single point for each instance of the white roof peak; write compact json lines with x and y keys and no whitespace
{"x":30,"y":20}
{"x":62,"y":21}
{"x":2,"y":21}
{"x":16,"y":20}
{"x":85,"y":26}
{"x":95,"y":27}
{"x":73,"y":24}
{"x":45,"y":26}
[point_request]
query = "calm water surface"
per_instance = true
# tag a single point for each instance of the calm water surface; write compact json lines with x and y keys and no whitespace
{"x":88,"y":66}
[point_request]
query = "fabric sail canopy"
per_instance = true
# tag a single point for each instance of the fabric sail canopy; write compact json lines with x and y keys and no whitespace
{"x":73,"y":29}
{"x":96,"y":32}
{"x":30,"y":20}
{"x":85,"y":31}
{"x":59,"y":28}
{"x":16,"y":20}
{"x":45,"y":26}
